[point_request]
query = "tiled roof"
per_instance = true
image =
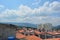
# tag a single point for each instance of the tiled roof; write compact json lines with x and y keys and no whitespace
{"x":37,"y":32}
{"x":20,"y":30}
{"x":53,"y":33}
{"x":19,"y":36}
{"x":32,"y":37}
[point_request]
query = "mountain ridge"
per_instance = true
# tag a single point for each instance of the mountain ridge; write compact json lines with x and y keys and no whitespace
{"x":23,"y":24}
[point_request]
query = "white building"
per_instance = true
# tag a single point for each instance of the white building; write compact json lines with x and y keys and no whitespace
{"x":46,"y":26}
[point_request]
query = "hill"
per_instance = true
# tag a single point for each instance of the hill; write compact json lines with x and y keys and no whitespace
{"x":23,"y":24}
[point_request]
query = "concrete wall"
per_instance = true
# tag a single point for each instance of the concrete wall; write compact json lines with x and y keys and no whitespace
{"x":7,"y":30}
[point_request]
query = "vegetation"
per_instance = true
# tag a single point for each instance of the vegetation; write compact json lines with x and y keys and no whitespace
{"x":56,"y":28}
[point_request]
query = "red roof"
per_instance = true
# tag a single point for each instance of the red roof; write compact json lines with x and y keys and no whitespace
{"x":32,"y":37}
{"x":20,"y":30}
{"x":37,"y":32}
{"x":18,"y":36}
{"x":53,"y":33}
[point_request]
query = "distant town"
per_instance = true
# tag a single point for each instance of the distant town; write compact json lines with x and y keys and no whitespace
{"x":44,"y":31}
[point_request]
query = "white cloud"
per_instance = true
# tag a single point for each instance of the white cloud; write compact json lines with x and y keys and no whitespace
{"x":37,"y":15}
{"x":55,"y":6}
{"x":23,"y":10}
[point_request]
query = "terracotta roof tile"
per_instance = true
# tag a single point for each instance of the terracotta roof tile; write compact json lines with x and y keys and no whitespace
{"x":21,"y":30}
{"x":53,"y":33}
{"x":37,"y":32}
{"x":32,"y":37}
{"x":18,"y":36}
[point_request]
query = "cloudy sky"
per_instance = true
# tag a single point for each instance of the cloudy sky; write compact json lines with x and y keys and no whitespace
{"x":30,"y":11}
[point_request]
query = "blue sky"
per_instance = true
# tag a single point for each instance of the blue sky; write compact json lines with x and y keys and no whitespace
{"x":31,"y":11}
{"x":13,"y":4}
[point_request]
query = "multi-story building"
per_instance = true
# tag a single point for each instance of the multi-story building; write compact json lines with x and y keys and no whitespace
{"x":7,"y":30}
{"x":46,"y":26}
